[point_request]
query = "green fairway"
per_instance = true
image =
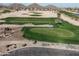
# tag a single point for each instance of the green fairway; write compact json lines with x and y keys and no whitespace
{"x":69,"y":14}
{"x":65,"y":33}
{"x":35,"y":14}
{"x":54,"y":32}
{"x":21,"y":20}
{"x":62,"y":32}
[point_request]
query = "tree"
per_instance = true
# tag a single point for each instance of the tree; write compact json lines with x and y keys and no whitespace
{"x":58,"y":15}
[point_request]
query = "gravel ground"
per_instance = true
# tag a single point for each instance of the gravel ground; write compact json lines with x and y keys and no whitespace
{"x":36,"y":51}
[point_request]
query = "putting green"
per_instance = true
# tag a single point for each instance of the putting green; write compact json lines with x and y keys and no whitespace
{"x":54,"y":32}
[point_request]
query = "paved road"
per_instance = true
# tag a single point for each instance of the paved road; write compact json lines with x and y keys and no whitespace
{"x":36,"y":51}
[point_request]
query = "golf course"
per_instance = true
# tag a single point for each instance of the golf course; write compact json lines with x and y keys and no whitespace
{"x":24,"y":20}
{"x":65,"y":33}
{"x":62,"y":32}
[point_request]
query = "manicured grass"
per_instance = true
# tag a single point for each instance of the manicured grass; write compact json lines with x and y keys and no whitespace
{"x":36,"y":12}
{"x":64,"y":33}
{"x":20,"y":20}
{"x":35,"y":15}
{"x":70,"y":14}
{"x":53,"y":32}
